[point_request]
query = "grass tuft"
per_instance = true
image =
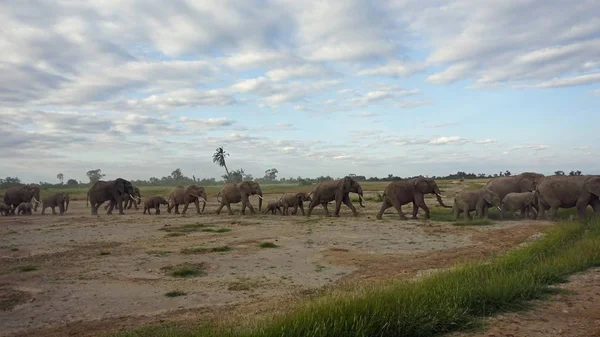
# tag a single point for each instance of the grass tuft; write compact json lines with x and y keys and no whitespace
{"x":186,"y":270}
{"x":174,"y":234}
{"x":27,"y":267}
{"x":204,"y":250}
{"x":268,"y":245}
{"x":175,"y":293}
{"x":220,"y":230}
{"x":104,"y":252}
{"x":159,"y":253}
{"x":474,"y":222}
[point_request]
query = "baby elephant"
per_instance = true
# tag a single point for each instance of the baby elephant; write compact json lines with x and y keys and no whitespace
{"x":6,"y":209}
{"x":59,"y":200}
{"x":274,"y":206}
{"x":154,"y":202}
{"x":523,"y":201}
{"x":24,"y":208}
{"x":478,"y":201}
{"x":294,"y":200}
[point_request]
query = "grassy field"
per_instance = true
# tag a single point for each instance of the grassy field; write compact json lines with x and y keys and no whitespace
{"x":446,"y":301}
{"x":79,"y":193}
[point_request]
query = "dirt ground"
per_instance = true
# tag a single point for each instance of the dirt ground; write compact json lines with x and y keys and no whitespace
{"x":82,"y":275}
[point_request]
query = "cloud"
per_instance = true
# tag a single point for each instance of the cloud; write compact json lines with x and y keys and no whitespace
{"x":568,"y":82}
{"x":412,"y":104}
{"x":394,"y":69}
{"x":448,"y":140}
{"x":485,"y":141}
{"x":597,"y":92}
{"x":381,"y":94}
{"x":441,"y":125}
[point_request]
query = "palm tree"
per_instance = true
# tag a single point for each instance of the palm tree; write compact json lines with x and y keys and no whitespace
{"x":60,"y":177}
{"x":219,"y":158}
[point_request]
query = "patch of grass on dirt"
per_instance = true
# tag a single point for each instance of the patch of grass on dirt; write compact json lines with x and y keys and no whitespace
{"x":219,"y":230}
{"x":439,"y":303}
{"x":14,"y":249}
{"x":187,"y":228}
{"x":438,"y":213}
{"x":204,"y":250}
{"x":159,"y":253}
{"x":104,"y":253}
{"x":268,"y":245}
{"x":174,"y":234}
{"x":243,"y":284}
{"x":474,"y":222}
{"x":186,"y":270}
{"x":27,"y":267}
{"x":175,"y":293}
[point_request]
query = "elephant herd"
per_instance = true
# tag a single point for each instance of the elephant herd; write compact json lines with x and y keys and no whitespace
{"x":529,"y":192}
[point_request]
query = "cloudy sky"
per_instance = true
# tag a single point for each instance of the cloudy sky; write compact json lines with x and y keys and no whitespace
{"x":139,"y":88}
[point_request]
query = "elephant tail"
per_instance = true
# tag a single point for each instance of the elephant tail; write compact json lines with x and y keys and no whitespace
{"x":218,"y":195}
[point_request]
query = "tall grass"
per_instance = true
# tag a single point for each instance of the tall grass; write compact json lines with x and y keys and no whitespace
{"x":446,"y":301}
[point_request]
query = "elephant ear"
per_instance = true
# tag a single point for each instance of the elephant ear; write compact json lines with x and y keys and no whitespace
{"x":530,"y":198}
{"x":487,"y":196}
{"x":421,"y":185}
{"x":592,"y":185}
{"x":120,"y":184}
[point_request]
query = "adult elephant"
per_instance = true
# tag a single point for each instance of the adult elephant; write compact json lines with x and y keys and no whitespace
{"x":232,"y":193}
{"x":113,"y":191}
{"x":129,"y":200}
{"x":524,"y":182}
{"x":15,"y":195}
{"x":401,"y":192}
{"x":338,"y":190}
{"x":556,"y":192}
{"x":186,"y":195}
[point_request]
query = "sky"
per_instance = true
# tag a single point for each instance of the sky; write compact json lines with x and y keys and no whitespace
{"x":140,"y":88}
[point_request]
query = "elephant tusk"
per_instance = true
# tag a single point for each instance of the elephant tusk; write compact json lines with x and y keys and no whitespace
{"x":35,"y":200}
{"x":202,"y":199}
{"x":361,"y":198}
{"x":499,"y":208}
{"x":439,"y":195}
{"x":131,"y":196}
{"x":260,"y":197}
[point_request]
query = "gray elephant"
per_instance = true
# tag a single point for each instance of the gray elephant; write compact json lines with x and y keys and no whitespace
{"x":232,"y":193}
{"x":24,"y":208}
{"x":479,"y":201}
{"x":294,"y":200}
{"x":274,"y":206}
{"x":59,"y":199}
{"x":15,"y":195}
{"x":186,"y":195}
{"x":523,"y":201}
{"x":154,"y":202}
{"x":6,"y":209}
{"x":134,"y":202}
{"x":338,"y":190}
{"x":401,"y":192}
{"x":556,"y":192}
{"x":114,"y":191}
{"x":524,"y":182}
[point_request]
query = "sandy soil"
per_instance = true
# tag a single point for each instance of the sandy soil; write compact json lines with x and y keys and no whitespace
{"x":98,"y":274}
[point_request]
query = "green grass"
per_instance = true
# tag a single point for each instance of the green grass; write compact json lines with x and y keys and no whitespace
{"x":159,"y":253}
{"x":204,"y":250}
{"x":450,"y":300}
{"x":104,"y":253}
{"x":220,"y":230}
{"x":175,"y":293}
{"x":186,"y":270}
{"x":27,"y":267}
{"x":188,"y":228}
{"x":174,"y":234}
{"x":268,"y":245}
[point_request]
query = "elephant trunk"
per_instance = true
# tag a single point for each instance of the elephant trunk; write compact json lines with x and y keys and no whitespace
{"x":260,"y":200}
{"x":203,"y":195}
{"x":360,"y":197}
{"x":438,"y":196}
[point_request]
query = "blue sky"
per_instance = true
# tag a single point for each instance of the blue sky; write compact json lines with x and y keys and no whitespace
{"x":429,"y":87}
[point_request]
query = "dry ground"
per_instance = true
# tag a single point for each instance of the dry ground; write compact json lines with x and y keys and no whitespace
{"x":94,"y":274}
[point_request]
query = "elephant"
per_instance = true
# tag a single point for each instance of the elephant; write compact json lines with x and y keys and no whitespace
{"x":113,"y":191}
{"x":59,"y":200}
{"x":128,"y":201}
{"x":555,"y":192}
{"x":479,"y":201}
{"x":401,"y":192}
{"x":154,"y":202}
{"x":523,"y":201}
{"x":524,"y":182}
{"x":6,"y":209}
{"x":24,"y":208}
{"x":337,"y":190}
{"x":184,"y":196}
{"x":232,"y":193}
{"x":294,"y":200}
{"x":274,"y":206}
{"x":15,"y":195}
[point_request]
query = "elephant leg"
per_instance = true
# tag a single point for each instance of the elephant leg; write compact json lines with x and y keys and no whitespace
{"x":176,"y":208}
{"x":43,"y":210}
{"x":467,"y":215}
{"x":552,"y":213}
{"x":348,"y":203}
{"x":385,"y":204}
{"x":595,"y":206}
{"x":581,"y":210}
{"x":110,"y":208}
{"x":197,"y":203}
{"x":185,"y":207}
{"x":230,"y":212}
{"x":220,"y":208}
{"x":243,"y":208}
{"x":53,"y":211}
{"x":120,"y":204}
{"x":157,"y":212}
{"x":301,"y":209}
{"x":324,"y":204}
{"x":250,"y":207}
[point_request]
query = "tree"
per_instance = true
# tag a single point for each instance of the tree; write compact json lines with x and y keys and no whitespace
{"x":176,"y":174}
{"x":72,"y":182}
{"x":507,"y":173}
{"x":235,"y":176}
{"x":559,"y":173}
{"x":575,"y":173}
{"x":60,"y":177}
{"x":95,"y":175}
{"x":271,"y":174}
{"x":219,"y":158}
